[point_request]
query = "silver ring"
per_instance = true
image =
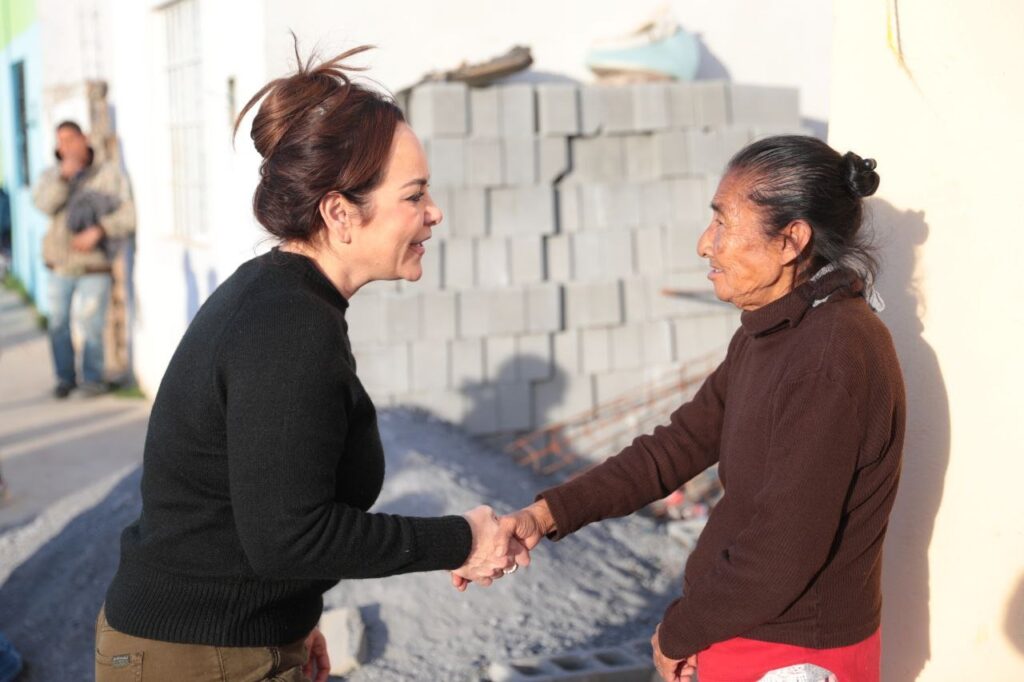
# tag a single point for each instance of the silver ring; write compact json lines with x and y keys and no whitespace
{"x":510,"y":571}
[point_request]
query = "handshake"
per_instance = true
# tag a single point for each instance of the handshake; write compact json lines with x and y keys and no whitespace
{"x":501,"y":544}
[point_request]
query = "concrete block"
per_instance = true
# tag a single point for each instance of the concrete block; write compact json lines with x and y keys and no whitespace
{"x":595,"y":350}
{"x":710,"y":103}
{"x":515,"y":407}
{"x":710,"y":150}
{"x":345,"y":633}
{"x":600,"y":256}
{"x":460,"y":264}
{"x":681,"y":247}
{"x":384,"y":369}
{"x":657,"y":343}
{"x":649,"y":247}
{"x":402,"y":321}
{"x":566,"y":352}
{"x":544,"y":306}
{"x":484,"y":112}
{"x":429,"y":365}
{"x":552,"y":159}
{"x":689,"y":202}
{"x":607,"y":109}
{"x":432,"y":263}
{"x":681,"y":105}
{"x":650,"y":106}
{"x":484,"y":164}
{"x":569,"y":209}
{"x":626,"y":344}
{"x":481,"y":409}
{"x":559,"y":253}
{"x":630,"y":662}
{"x":755,"y":105}
{"x":593,"y":304}
{"x":636,"y":298}
{"x":562,"y":398}
{"x":446,"y":158}
{"x":641,"y":158}
{"x":672,"y":153}
{"x":437,"y":315}
{"x":526,"y":259}
{"x":699,"y":301}
{"x":609,"y":386}
{"x":534,"y":357}
{"x":467,"y":362}
{"x":439,"y":109}
{"x":610,"y":206}
{"x":365,"y":317}
{"x":520,"y":159}
{"x":522,"y":210}
{"x":518,"y":110}
{"x":468,"y":211}
{"x":655,"y":203}
{"x":558,"y":109}
{"x":493,"y":268}
{"x":486,"y":312}
{"x":597,"y":159}
{"x":500,"y":359}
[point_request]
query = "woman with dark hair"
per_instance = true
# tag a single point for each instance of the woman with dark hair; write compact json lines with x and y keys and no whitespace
{"x":805,"y":418}
{"x":263,"y":455}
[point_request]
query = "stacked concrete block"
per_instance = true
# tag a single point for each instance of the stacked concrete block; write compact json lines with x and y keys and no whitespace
{"x":467,"y":212}
{"x":558,"y":109}
{"x":492,"y":262}
{"x":520,"y":159}
{"x":429,"y":365}
{"x":486,"y":312}
{"x":439,"y":110}
{"x":597,"y":304}
{"x":526,"y":259}
{"x":522,"y":210}
{"x":569,"y":210}
{"x":518,"y":110}
{"x":484,"y":165}
{"x":544,"y":307}
{"x":484,"y":113}
{"x":460,"y":264}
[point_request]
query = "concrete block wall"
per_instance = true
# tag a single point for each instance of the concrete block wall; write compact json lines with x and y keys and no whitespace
{"x":569,"y":210}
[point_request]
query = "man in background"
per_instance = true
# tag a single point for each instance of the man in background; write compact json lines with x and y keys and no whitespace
{"x":88,"y":203}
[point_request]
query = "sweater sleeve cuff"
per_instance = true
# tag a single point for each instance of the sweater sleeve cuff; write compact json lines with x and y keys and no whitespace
{"x":441,"y":543}
{"x":555,"y":497}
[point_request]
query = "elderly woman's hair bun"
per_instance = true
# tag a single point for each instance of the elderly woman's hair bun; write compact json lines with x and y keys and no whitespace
{"x":860,"y":174}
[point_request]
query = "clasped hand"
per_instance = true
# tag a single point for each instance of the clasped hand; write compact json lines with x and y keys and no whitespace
{"x":501,"y":545}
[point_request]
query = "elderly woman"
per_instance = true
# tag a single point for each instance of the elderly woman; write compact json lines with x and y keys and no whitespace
{"x":805,"y":418}
{"x":263,"y":456}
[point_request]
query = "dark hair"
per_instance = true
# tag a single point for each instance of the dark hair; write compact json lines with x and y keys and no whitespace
{"x":797,"y":177}
{"x":318,"y":132}
{"x":70,"y":125}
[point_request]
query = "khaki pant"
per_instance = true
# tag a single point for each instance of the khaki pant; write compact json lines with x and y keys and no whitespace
{"x":124,"y":658}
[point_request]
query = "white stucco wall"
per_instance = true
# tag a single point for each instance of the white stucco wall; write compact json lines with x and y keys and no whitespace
{"x":947,"y":135}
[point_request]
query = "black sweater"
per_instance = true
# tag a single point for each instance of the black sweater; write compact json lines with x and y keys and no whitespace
{"x":261,"y":460}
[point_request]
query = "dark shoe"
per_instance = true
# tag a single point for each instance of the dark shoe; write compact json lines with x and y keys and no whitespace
{"x":63,"y":390}
{"x":93,"y":389}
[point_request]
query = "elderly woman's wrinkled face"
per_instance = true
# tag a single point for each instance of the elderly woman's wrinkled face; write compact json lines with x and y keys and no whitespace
{"x":747,"y":268}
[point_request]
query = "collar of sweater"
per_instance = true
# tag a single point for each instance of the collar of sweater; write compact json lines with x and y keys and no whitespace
{"x":309,"y":271}
{"x":788,"y":311}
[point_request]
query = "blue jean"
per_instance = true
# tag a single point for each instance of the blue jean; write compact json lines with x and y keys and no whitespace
{"x":93,"y":293}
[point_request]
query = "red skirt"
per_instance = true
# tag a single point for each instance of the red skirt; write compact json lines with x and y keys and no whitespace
{"x":748,"y":660}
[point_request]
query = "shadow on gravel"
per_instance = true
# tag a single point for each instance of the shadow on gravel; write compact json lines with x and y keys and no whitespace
{"x":49,"y":604}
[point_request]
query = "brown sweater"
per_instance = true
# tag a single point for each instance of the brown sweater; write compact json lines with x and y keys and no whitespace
{"x":805,"y":417}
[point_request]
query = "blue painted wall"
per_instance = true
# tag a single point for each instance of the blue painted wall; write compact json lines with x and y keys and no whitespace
{"x":28,"y":223}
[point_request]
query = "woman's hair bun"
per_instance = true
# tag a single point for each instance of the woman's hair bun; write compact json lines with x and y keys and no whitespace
{"x":860,"y":174}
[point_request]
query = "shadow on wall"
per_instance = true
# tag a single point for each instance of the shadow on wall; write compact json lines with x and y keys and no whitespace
{"x":710,"y":67}
{"x":905,"y":577}
{"x":509,"y":401}
{"x":1015,"y":616}
{"x":193,"y":297}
